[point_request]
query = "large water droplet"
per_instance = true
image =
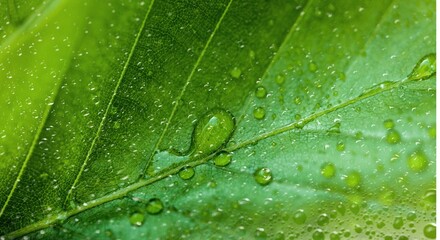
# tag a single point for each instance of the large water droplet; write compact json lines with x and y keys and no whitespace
{"x":424,"y":69}
{"x":398,"y":223}
{"x":318,"y":235}
{"x":212,"y":131}
{"x":263,"y":176}
{"x":388,"y":124}
{"x":430,"y":231}
{"x":186,"y":173}
{"x":154,"y":206}
{"x":417,"y":162}
{"x":223,"y":159}
{"x":137,"y":219}
{"x":323,"y":219}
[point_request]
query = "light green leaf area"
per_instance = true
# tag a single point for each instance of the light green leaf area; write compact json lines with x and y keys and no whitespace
{"x":217,"y":119}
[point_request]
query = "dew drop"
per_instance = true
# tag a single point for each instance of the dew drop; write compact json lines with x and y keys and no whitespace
{"x":223,"y":159}
{"x":318,"y":235}
{"x":280,"y":79}
{"x":299,"y":217}
{"x":328,"y":170}
{"x":263,"y":176}
{"x":323,"y":219}
{"x":186,"y":173}
{"x":417,"y":162}
{"x":235,"y":72}
{"x":398,"y":223}
{"x":259,"y":113}
{"x":334,"y":236}
{"x":430,"y":231}
{"x":353,"y":179}
{"x":424,"y":69}
{"x":432,"y":132}
{"x":336,"y":128}
{"x":430,"y":196}
{"x":411,"y":216}
{"x":137,"y":219}
{"x":154,"y":206}
{"x":260,"y":92}
{"x":392,"y":136}
{"x":212,"y":132}
{"x":251,"y":55}
{"x":340,"y":146}
{"x":388,"y":124}
{"x":313,"y":67}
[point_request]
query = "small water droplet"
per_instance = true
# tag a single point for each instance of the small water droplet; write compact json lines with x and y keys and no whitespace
{"x":340,"y":146}
{"x":259,"y":113}
{"x":328,"y":170}
{"x":430,"y":231}
{"x":297,"y":100}
{"x":432,"y":132}
{"x":299,"y":217}
{"x":280,"y":79}
{"x":417,"y":162}
{"x":251,"y":55}
{"x":388,"y":124}
{"x":223,"y":159}
{"x":186,"y":173}
{"x":137,"y":219}
{"x":260,"y":233}
{"x":424,"y":69}
{"x":263,"y":176}
{"x":411,"y":216}
{"x":398,"y":223}
{"x":392,"y":136}
{"x":318,"y":234}
{"x":154,"y":206}
{"x":260,"y":92}
{"x":353,"y":179}
{"x":430,"y":196}
{"x":336,"y":128}
{"x":313,"y":67}
{"x":235,"y":72}
{"x":323,"y":219}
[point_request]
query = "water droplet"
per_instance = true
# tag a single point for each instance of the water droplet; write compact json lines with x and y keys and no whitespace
{"x":280,"y":79}
{"x":223,"y":159}
{"x":154,"y":206}
{"x":398,"y":223}
{"x":260,"y":92}
{"x":186,"y":173}
{"x":251,"y":55}
{"x":353,"y":179}
{"x":259,"y":113}
{"x":392,"y":136}
{"x":318,"y":235}
{"x":340,"y":146}
{"x":137,"y":219}
{"x":430,"y":231}
{"x":235,"y":72}
{"x":212,"y":131}
{"x":417,"y":162}
{"x":260,"y":233}
{"x":328,"y":170}
{"x":411,"y":216}
{"x":432,"y":132}
{"x":323,"y":219}
{"x":358,"y":228}
{"x":336,"y":128}
{"x":263,"y":176}
{"x":430,"y":196}
{"x":388,"y":124}
{"x":297,"y":100}
{"x":299,"y":217}
{"x":424,"y":69}
{"x":313,"y":67}
{"x":334,"y":236}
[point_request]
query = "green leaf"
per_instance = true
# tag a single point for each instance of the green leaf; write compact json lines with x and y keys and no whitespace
{"x":332,"y":134}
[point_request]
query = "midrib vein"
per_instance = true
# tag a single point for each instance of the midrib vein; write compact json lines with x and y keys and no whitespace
{"x":182,"y":92}
{"x":101,"y":124}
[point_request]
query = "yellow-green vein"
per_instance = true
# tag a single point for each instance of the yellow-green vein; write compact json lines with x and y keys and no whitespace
{"x":101,"y":124}
{"x":188,"y":80}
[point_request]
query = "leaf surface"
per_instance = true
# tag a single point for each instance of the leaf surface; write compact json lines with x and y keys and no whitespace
{"x":100,"y":104}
